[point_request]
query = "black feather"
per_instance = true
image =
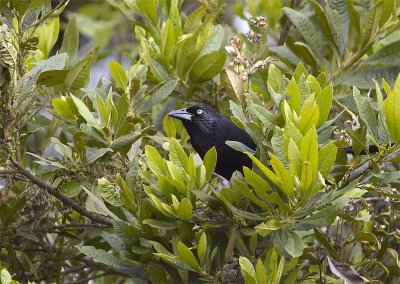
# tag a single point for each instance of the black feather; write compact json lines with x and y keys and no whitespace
{"x":207,"y":128}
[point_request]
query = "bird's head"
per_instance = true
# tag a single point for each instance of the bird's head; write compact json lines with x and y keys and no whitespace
{"x":198,"y":116}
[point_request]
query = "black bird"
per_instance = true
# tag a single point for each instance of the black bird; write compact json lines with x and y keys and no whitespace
{"x":208,"y":128}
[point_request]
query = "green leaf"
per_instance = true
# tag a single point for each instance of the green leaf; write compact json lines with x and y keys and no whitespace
{"x":162,"y":93}
{"x":233,"y":85}
{"x":306,"y":178}
{"x":165,"y":209}
{"x":79,"y":74}
{"x":126,"y":195}
{"x":157,"y":274}
{"x":202,"y":248}
{"x":293,"y":91}
{"x":238,"y":146}
{"x":169,"y":126}
{"x":210,"y":162}
{"x":21,"y":6}
{"x":294,"y":158}
{"x":324,"y":103}
{"x":323,"y":21}
{"x":307,"y":30}
{"x":162,"y":225}
{"x":207,"y":66}
{"x":70,"y":41}
{"x":101,"y":256}
{"x":186,"y":256}
{"x":168,"y":43}
{"x":309,"y":119}
{"x":266,"y":117}
{"x":245,"y":191}
{"x":359,"y":138}
{"x":259,"y":185}
{"x":154,"y":160}
{"x":193,"y":21}
{"x":248,"y":270}
{"x":61,"y":106}
{"x":149,"y":8}
{"x":387,"y":10}
{"x":240,"y":213}
{"x":323,"y":240}
{"x":339,"y":20}
{"x":97,"y":154}
{"x":261,"y":275}
{"x":109,"y":192}
{"x":119,"y":76}
{"x":185,"y":209}
{"x":103,"y":111}
{"x":294,"y":245}
{"x":52,"y":77}
{"x":392,"y":112}
{"x":177,"y":155}
{"x":326,"y":159}
{"x":354,"y":16}
{"x":265,"y":228}
{"x":364,"y":79}
{"x":372,"y":24}
{"x":388,"y":55}
{"x":323,"y":217}
{"x":85,"y":112}
{"x":366,"y":112}
{"x":122,"y":109}
{"x":5,"y":276}
{"x":237,"y":111}
{"x":309,"y":150}
{"x":125,"y":140}
{"x":265,"y":170}
{"x":214,"y":40}
{"x":71,"y":188}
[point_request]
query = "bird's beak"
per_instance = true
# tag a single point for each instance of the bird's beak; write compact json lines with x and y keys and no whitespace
{"x":181,"y":114}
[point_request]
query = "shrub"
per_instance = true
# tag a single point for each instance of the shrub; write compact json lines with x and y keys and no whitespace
{"x":98,"y":183}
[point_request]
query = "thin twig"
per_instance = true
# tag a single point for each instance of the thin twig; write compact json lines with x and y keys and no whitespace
{"x":6,"y":172}
{"x":54,"y":192}
{"x":79,"y":226}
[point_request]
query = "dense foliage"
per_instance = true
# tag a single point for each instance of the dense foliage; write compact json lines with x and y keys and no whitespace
{"x":98,"y":183}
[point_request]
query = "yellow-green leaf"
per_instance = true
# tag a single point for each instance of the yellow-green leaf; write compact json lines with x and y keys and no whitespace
{"x":283,"y":175}
{"x":210,"y":161}
{"x":154,"y":160}
{"x":186,"y":256}
{"x":309,"y":150}
{"x":185,"y":210}
{"x":202,"y":248}
{"x":309,"y":119}
{"x":119,"y":76}
{"x":392,"y":112}
{"x":326,"y":159}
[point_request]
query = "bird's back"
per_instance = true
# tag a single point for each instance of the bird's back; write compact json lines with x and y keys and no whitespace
{"x":228,"y":159}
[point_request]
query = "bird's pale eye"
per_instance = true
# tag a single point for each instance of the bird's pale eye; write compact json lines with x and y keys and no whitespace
{"x":199,"y":111}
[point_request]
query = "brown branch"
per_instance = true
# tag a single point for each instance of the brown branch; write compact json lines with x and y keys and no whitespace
{"x":8,"y":172}
{"x":79,"y":226}
{"x":54,"y":192}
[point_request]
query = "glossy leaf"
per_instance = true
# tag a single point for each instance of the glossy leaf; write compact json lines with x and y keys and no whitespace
{"x":392,"y":112}
{"x":184,"y":210}
{"x":207,"y":66}
{"x":186,"y":256}
{"x":210,"y":162}
{"x":119,"y":76}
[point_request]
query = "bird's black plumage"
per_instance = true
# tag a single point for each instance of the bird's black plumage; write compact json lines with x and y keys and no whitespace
{"x":208,"y":128}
